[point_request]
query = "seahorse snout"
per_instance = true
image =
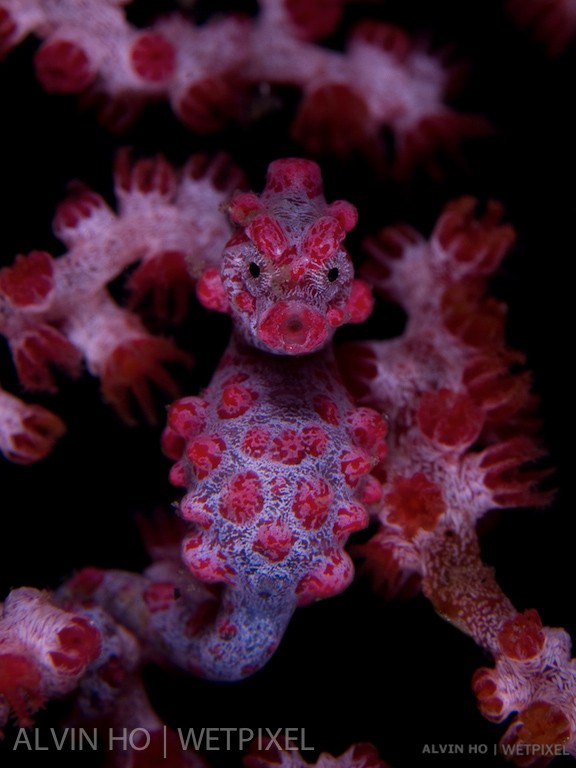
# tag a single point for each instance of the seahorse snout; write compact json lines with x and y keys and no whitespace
{"x":293,"y":327}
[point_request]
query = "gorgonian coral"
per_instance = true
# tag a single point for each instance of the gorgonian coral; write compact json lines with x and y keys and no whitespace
{"x":280,"y":464}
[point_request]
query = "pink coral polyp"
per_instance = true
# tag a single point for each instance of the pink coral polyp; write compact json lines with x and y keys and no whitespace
{"x":29,"y":281}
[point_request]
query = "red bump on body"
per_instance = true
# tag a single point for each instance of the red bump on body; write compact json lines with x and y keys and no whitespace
{"x":244,"y":498}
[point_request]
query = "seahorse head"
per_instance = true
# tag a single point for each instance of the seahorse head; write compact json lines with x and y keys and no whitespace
{"x":285,"y":277}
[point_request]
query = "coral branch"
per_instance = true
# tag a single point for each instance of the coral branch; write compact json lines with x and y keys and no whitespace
{"x":56,"y":312}
{"x":455,"y":452}
{"x":44,"y":651}
{"x":383,"y":80}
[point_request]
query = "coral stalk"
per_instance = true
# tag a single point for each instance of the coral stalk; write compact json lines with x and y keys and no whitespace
{"x":462,"y":444}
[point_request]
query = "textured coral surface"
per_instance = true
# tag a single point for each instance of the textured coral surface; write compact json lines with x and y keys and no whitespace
{"x":77,"y":508}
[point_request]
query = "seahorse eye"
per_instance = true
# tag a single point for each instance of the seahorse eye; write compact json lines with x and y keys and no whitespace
{"x":333,"y":274}
{"x":254,"y":269}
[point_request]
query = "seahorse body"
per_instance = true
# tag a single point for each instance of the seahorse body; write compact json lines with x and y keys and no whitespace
{"x":276,"y":460}
{"x":275,"y":457}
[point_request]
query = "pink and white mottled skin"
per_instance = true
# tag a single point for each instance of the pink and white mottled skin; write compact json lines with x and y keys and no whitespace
{"x":461,"y":443}
{"x":277,"y":478}
{"x":57,"y":312}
